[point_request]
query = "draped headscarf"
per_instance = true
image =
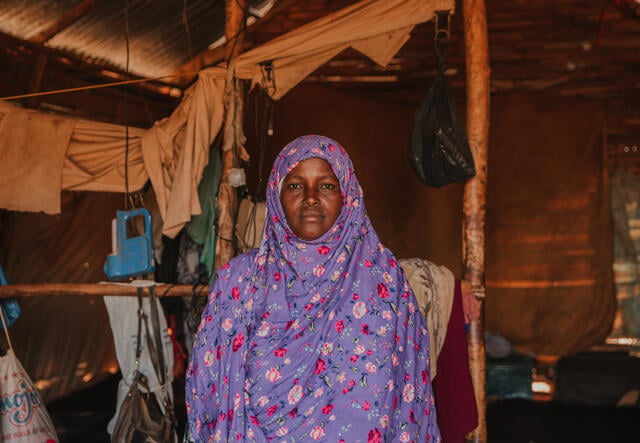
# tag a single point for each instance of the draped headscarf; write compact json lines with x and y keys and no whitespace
{"x":312,"y":340}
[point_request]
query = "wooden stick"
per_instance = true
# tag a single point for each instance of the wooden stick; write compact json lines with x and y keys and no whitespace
{"x":474,"y":199}
{"x":162,"y":289}
{"x":227,"y":200}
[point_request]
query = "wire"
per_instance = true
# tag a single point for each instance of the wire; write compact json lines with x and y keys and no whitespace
{"x":104,"y":85}
{"x":126,"y":110}
{"x":185,"y":20}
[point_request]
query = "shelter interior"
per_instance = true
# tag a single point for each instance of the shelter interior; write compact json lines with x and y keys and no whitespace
{"x":564,"y":127}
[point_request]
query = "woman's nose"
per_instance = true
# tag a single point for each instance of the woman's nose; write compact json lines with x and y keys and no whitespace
{"x":310,"y":197}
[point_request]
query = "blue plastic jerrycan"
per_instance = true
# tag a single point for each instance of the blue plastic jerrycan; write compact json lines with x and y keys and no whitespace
{"x":132,"y":256}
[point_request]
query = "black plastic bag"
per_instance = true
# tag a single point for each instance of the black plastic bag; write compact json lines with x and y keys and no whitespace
{"x":438,"y":150}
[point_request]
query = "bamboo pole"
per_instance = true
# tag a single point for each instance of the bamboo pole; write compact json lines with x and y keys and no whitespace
{"x":30,"y":290}
{"x":474,"y":199}
{"x":227,"y":197}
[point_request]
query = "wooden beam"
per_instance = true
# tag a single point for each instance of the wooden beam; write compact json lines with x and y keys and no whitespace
{"x":227,"y":197}
{"x":84,"y":289}
{"x":36,"y":79}
{"x":64,"y":22}
{"x":474,"y":197}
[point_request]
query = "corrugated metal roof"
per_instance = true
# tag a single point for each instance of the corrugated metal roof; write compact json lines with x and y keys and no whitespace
{"x":160,"y":40}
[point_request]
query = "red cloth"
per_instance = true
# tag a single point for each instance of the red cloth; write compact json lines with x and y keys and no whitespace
{"x":452,"y":386}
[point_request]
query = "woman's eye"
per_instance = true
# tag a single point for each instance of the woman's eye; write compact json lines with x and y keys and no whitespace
{"x":294,"y":186}
{"x":328,"y":186}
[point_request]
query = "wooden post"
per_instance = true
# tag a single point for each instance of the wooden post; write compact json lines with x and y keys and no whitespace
{"x":474,"y":199}
{"x":227,"y":198}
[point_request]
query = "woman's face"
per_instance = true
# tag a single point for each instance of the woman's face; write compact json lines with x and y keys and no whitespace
{"x":311,"y":198}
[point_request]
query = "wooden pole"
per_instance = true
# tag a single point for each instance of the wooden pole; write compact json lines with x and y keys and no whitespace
{"x":162,"y":289}
{"x":474,"y":199}
{"x":227,"y":198}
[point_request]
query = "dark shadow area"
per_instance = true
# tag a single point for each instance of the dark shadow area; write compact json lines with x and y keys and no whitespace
{"x":526,"y":421}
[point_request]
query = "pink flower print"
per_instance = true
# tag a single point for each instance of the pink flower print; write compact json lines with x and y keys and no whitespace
{"x":295,"y":394}
{"x":318,"y":271}
{"x":263,"y":330}
{"x":387,"y":277}
{"x":394,"y":359}
{"x":235,"y":293}
{"x":374,"y":436}
{"x":408,"y":393}
{"x":404,"y":437}
{"x":238,"y":341}
{"x":276,"y":276}
{"x":227,"y":324}
{"x":367,"y":264}
{"x":365,"y":329}
{"x":359,"y":309}
{"x":366,"y":406}
{"x":323,"y":250}
{"x":327,"y":409}
{"x":326,"y":348}
{"x":359,"y":349}
{"x":425,"y":376}
{"x":331,"y":147}
{"x":208,"y":358}
{"x":412,"y":417}
{"x":383,"y":292}
{"x":208,"y":318}
{"x":341,"y":258}
{"x":273,"y":375}
{"x":386,"y":315}
{"x":353,"y":358}
{"x":317,"y":433}
{"x":321,"y":365}
{"x":272,"y":410}
{"x":392,"y":263}
{"x":371,"y":368}
{"x":281,"y":352}
{"x":339,"y":326}
{"x":384,"y":421}
{"x":293,"y":413}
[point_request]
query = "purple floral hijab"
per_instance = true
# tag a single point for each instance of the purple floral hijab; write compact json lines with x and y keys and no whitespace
{"x":312,"y":340}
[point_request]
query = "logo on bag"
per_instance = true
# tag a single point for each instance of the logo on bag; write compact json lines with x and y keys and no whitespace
{"x":19,"y":404}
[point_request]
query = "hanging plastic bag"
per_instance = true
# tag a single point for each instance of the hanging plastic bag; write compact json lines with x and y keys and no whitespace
{"x":24,"y":418}
{"x":438,"y":149}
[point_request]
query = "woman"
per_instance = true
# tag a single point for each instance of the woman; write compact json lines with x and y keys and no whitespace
{"x":316,"y":335}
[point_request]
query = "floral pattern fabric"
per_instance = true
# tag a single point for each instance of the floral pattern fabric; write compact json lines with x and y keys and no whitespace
{"x":312,"y":340}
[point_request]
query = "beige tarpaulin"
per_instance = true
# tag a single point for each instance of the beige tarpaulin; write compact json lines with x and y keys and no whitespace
{"x":43,"y":153}
{"x":175,"y":150}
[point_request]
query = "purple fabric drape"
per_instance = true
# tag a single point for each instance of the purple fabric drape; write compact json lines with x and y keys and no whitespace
{"x":312,"y":340}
